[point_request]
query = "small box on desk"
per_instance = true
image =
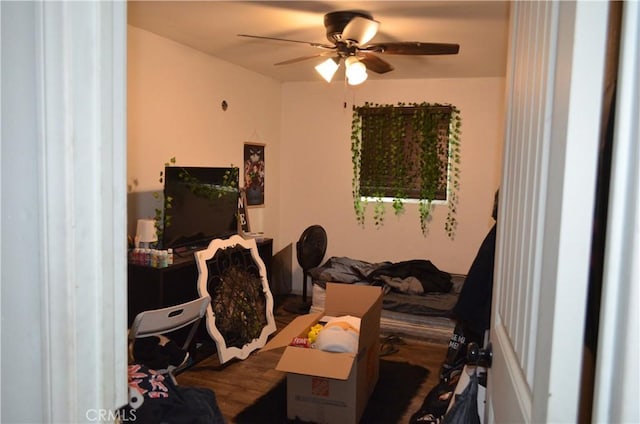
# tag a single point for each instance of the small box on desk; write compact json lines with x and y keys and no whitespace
{"x":332,"y":387}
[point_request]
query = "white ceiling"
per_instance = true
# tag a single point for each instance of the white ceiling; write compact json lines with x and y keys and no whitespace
{"x":479,"y":27}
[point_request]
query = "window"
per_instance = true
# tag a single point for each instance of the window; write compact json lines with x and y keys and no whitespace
{"x":401,"y":147}
{"x":406,"y":152}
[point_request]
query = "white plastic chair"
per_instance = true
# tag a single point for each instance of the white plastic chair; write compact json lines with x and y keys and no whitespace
{"x":157,"y":322}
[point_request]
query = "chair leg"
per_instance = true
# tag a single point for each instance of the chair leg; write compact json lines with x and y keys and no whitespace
{"x":173,"y":378}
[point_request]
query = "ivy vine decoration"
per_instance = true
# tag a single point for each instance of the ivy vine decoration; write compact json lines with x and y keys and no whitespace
{"x":453,"y":176}
{"x":359,"y":205}
{"x":162,"y":215}
{"x":410,"y":151}
{"x":209,"y":192}
{"x":163,"y":220}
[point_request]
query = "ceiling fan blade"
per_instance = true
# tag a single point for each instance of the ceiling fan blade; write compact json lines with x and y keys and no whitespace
{"x":360,"y":30}
{"x":413,"y":48}
{"x":319,"y":45}
{"x":375,"y":63}
{"x":300,"y":59}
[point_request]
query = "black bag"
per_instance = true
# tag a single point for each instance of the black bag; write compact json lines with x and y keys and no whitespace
{"x":158,"y":353}
{"x":465,"y":406}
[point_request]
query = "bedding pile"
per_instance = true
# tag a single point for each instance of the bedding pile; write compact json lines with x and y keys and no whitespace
{"x":415,"y":287}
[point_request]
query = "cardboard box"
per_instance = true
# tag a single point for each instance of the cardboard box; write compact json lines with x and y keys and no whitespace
{"x":328,"y":387}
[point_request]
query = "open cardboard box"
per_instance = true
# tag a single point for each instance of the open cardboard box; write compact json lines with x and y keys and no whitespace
{"x":328,"y":387}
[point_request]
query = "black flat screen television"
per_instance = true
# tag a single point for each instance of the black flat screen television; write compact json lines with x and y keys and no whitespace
{"x":201,"y":203}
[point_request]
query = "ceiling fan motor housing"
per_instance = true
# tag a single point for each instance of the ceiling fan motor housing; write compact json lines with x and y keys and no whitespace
{"x":335,"y":22}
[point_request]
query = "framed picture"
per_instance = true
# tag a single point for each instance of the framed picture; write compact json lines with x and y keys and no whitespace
{"x":254,"y":164}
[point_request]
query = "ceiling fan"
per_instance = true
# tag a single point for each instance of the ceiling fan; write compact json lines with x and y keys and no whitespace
{"x":349,"y":33}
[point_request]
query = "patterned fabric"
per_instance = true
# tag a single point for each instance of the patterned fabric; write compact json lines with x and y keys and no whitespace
{"x":147,"y":382}
{"x":154,"y":399}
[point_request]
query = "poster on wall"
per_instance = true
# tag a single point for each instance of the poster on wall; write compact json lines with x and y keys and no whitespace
{"x":254,"y":173}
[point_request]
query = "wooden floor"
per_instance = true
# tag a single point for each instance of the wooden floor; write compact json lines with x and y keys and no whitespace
{"x":238,"y":384}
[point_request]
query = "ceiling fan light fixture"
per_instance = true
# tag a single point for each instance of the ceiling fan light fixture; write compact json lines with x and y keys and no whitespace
{"x":356,"y":71}
{"x":349,"y":33}
{"x":360,"y":30}
{"x":328,"y":68}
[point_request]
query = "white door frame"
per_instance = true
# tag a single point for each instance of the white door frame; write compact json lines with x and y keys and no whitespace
{"x":63,"y":211}
{"x":617,"y":382}
{"x":554,"y":91}
{"x":554,"y":88}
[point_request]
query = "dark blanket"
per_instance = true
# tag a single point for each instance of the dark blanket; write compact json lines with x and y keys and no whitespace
{"x":430,"y":277}
{"x":343,"y":270}
{"x":416,"y":276}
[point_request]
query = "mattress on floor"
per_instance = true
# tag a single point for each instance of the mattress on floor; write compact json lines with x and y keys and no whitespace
{"x":421,"y":316}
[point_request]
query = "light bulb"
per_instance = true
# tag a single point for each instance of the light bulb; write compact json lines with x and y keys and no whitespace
{"x":327,"y":69}
{"x":356,"y":71}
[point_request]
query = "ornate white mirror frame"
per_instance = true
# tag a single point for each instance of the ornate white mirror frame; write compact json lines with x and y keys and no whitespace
{"x":237,"y":265}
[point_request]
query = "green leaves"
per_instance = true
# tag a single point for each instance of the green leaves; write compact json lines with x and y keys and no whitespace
{"x":453,"y":186}
{"x":229,"y":186}
{"x":162,"y":219}
{"x":406,"y":151}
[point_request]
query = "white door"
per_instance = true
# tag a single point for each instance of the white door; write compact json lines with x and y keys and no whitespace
{"x":554,"y":96}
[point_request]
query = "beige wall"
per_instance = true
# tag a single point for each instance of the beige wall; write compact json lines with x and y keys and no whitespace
{"x":316,"y":170}
{"x":174,"y":97}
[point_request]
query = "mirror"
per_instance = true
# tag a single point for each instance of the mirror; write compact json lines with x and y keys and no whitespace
{"x":240,"y":315}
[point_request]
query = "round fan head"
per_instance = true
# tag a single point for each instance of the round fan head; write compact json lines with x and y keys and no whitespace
{"x":311,"y":247}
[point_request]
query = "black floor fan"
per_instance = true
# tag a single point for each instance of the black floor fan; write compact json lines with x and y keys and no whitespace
{"x":310,"y":250}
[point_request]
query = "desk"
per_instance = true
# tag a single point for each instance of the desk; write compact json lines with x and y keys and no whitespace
{"x":153,"y":288}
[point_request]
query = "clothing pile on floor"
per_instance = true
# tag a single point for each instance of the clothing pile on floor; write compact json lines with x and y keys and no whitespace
{"x":155,"y":398}
{"x":472,"y":313}
{"x":434,"y":407}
